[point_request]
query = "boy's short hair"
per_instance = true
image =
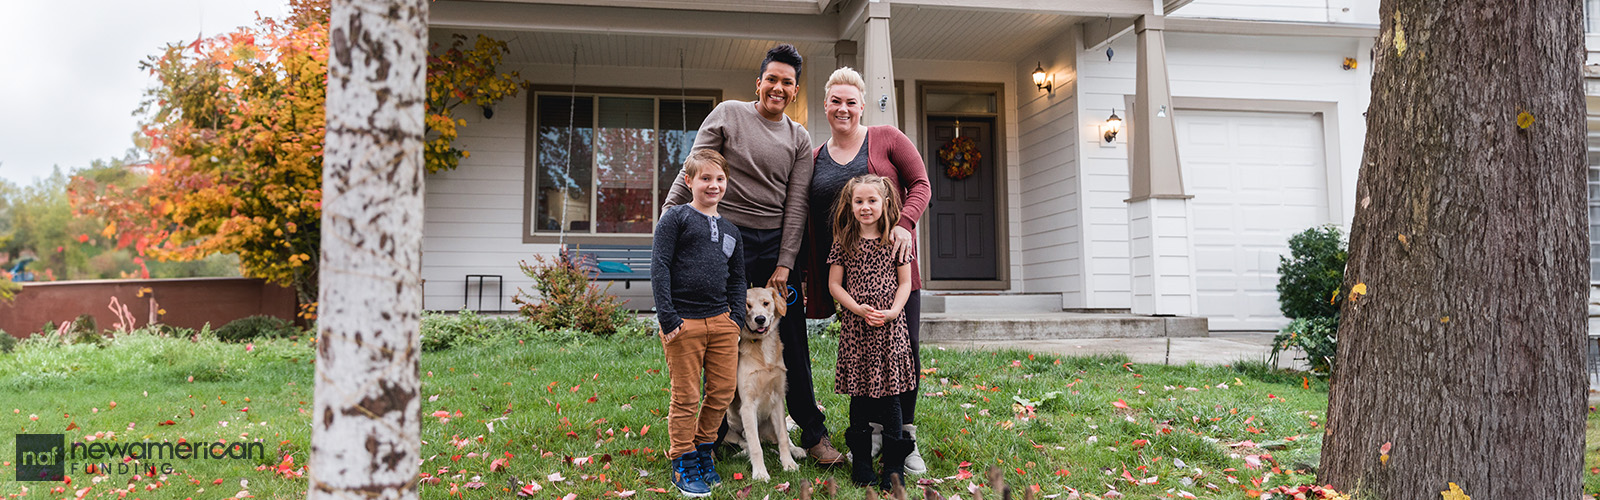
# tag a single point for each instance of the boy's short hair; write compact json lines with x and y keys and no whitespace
{"x":700,"y":158}
{"x":786,"y":54}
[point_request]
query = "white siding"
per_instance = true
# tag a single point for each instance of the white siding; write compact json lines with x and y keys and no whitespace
{"x":1306,"y":11}
{"x":1050,"y":202}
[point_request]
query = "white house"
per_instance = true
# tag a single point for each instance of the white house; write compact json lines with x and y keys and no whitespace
{"x":1242,"y":125}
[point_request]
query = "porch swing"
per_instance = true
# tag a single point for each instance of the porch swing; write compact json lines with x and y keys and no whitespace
{"x":610,"y":262}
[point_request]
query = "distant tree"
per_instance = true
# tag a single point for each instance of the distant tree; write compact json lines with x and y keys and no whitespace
{"x":236,"y":129}
{"x":1461,"y":336}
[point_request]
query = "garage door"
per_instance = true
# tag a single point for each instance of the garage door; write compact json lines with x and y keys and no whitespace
{"x":1257,"y":179}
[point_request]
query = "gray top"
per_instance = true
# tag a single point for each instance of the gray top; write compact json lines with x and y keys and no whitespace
{"x":826,"y":180}
{"x":769,"y":168}
{"x":696,"y":268}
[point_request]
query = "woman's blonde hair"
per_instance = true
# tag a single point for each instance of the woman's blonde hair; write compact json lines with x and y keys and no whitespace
{"x":845,"y":76}
{"x":845,"y":230}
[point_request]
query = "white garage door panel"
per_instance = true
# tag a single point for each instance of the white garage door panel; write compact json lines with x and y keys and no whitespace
{"x":1257,"y":179}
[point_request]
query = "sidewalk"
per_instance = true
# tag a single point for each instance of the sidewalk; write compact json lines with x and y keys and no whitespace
{"x":1220,"y":348}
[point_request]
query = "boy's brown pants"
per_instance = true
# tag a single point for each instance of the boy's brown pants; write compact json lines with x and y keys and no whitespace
{"x":706,"y":348}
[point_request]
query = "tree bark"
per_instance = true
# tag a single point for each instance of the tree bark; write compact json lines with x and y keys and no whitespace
{"x":366,"y":439}
{"x":1466,"y":353}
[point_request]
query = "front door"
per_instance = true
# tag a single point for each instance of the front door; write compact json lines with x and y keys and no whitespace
{"x":961,"y":216}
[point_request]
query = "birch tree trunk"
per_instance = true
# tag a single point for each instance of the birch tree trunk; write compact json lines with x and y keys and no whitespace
{"x":1466,"y":352}
{"x":365,"y":440}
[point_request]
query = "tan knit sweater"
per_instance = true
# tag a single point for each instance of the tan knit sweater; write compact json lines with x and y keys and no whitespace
{"x":769,"y":171}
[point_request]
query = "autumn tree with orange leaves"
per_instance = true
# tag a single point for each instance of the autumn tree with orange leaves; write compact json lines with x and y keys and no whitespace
{"x":236,"y":128}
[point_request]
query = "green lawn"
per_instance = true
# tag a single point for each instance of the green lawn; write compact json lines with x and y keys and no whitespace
{"x":577,"y":414}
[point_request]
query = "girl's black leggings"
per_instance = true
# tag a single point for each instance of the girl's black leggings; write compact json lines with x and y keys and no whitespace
{"x":884,"y":411}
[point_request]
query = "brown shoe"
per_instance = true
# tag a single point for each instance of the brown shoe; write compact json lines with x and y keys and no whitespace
{"x":824,"y":453}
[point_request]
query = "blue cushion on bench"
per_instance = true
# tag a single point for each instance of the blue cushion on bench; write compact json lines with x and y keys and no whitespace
{"x":615,"y":267}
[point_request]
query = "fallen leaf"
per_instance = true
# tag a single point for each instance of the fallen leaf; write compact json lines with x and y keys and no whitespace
{"x":1455,"y":493}
{"x":1120,"y":404}
{"x":1524,"y":120}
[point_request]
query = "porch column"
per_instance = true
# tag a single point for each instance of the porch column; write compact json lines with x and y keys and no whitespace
{"x":879,"y":68}
{"x":844,"y":53}
{"x":1158,"y":209}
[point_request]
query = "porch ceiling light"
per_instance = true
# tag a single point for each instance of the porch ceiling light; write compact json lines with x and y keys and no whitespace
{"x":1113,"y":126}
{"x":1042,"y":80}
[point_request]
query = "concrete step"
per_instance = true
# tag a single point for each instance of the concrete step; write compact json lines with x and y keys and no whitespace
{"x":972,"y":303}
{"x":1058,"y":325}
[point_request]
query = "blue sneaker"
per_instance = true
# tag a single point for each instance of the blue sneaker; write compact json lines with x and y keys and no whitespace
{"x":686,"y":475}
{"x":708,"y":463}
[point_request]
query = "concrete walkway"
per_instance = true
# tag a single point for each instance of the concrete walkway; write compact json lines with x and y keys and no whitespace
{"x":1220,"y":348}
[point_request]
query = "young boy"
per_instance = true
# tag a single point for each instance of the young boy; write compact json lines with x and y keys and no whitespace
{"x":697,"y":277}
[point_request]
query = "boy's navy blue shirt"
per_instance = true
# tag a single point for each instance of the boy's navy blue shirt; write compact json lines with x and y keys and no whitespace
{"x":696,"y":268}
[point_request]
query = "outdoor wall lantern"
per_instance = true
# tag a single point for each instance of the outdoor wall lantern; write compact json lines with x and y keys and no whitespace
{"x":1043,"y":81}
{"x":1113,"y":126}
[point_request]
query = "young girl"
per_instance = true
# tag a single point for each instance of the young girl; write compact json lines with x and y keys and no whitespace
{"x":875,"y":364}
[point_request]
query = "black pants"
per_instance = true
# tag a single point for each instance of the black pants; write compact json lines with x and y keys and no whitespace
{"x":760,"y":260}
{"x":884,"y":411}
{"x":913,"y":313}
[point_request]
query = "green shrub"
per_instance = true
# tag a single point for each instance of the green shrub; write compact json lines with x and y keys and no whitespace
{"x":444,"y":331}
{"x":253,"y":327}
{"x":567,"y":298}
{"x":84,"y":331}
{"x":1318,"y":337}
{"x":1314,"y":270}
{"x":7,"y":342}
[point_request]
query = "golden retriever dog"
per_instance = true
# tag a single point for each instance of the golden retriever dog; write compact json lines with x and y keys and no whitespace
{"x":756,"y":413}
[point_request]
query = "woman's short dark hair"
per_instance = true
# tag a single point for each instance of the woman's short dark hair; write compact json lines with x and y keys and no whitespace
{"x":783,"y":53}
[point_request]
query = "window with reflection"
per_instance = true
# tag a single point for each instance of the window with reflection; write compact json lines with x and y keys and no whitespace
{"x":604,"y":162}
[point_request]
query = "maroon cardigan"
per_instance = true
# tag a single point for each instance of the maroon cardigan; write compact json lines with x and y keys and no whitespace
{"x":890,"y":154}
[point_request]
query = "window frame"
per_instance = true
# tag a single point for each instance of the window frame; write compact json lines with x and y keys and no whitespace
{"x":531,"y":144}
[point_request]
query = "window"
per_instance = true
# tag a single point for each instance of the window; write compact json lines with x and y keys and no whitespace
{"x":605,"y":161}
{"x":1591,"y":16}
{"x":1594,"y":199}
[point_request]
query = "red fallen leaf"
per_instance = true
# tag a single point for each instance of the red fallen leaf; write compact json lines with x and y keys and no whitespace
{"x":218,"y":481}
{"x":497,"y":465}
{"x":169,"y":422}
{"x":737,"y":476}
{"x":644,"y":430}
{"x":1063,"y":472}
{"x":593,"y":398}
{"x":244,"y":410}
{"x":964,"y":463}
{"x":784,"y":486}
{"x":571,"y":434}
{"x":1120,"y":404}
{"x":656,"y":490}
{"x":72,"y":425}
{"x":1140,"y":443}
{"x":1020,"y":471}
{"x":455,"y":458}
{"x":963,"y":474}
{"x":474,"y":485}
{"x":83,"y":238}
{"x":1384,"y":450}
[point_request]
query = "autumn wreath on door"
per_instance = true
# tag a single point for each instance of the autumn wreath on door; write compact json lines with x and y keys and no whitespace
{"x":960,"y":157}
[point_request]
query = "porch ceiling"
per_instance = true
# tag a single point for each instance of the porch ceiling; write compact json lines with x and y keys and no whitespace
{"x":634,"y":51}
{"x":970,"y":35}
{"x":916,"y":33}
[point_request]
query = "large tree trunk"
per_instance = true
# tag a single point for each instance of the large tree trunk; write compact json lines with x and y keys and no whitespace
{"x":1466,"y":352}
{"x":365,"y":439}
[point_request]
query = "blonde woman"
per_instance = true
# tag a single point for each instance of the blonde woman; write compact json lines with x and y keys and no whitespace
{"x":852,"y":151}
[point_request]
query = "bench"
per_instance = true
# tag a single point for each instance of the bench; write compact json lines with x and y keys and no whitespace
{"x":625,"y":263}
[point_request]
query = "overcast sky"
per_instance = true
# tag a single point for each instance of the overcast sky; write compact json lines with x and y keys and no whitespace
{"x":70,"y":78}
